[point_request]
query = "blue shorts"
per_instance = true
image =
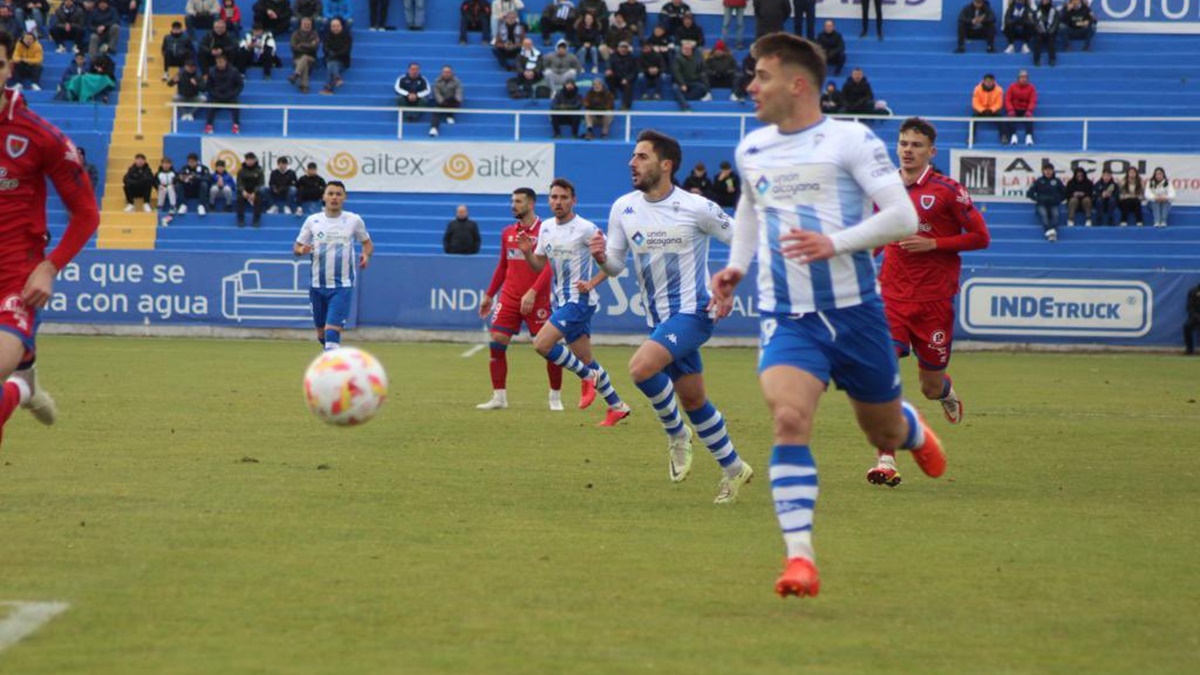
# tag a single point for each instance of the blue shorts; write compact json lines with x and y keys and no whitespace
{"x":683,"y":335}
{"x":331,"y":306}
{"x":574,"y":320}
{"x":852,"y":346}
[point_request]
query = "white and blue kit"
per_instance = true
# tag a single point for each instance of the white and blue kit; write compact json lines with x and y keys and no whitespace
{"x":669,"y":239}
{"x":334,"y":262}
{"x":565,"y":247}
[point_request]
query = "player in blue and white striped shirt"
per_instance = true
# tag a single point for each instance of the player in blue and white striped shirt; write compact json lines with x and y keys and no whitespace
{"x":808,"y":185}
{"x":668,"y":231}
{"x":567,"y":338}
{"x":329,"y":238}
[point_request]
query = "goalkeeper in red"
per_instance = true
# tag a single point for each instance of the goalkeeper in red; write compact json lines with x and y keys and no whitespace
{"x":32,"y":150}
{"x":921,"y":272}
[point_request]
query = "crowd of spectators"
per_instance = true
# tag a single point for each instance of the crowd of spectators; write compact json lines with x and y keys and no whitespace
{"x":1044,"y":28}
{"x":1129,"y":196}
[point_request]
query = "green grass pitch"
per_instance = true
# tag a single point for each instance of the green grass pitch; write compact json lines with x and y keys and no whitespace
{"x":199,"y":520}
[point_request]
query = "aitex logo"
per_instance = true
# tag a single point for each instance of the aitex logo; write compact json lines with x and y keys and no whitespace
{"x":1057,"y":307}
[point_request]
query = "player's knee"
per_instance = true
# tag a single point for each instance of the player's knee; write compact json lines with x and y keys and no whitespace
{"x":640,"y":370}
{"x":542,"y":345}
{"x":791,"y":423}
{"x":889,"y":438}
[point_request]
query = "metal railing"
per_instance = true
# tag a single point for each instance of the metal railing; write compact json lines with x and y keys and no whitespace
{"x":147,"y":34}
{"x":742,"y":120}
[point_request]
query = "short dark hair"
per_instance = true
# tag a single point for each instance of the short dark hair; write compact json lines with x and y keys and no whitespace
{"x":139,"y":156}
{"x":564,"y":184}
{"x":665,"y":147}
{"x":336,"y":183}
{"x":176,"y":24}
{"x":792,"y":50}
{"x":192,"y":155}
{"x":921,"y":127}
{"x":312,"y":165}
{"x":282,"y":160}
{"x":250,"y":155}
{"x":528,"y":192}
{"x":6,"y":41}
{"x":220,"y":164}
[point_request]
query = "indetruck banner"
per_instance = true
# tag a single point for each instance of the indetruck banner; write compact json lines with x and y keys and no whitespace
{"x":1004,"y":175}
{"x":441,"y":293}
{"x":913,"y":10}
{"x":398,"y":166}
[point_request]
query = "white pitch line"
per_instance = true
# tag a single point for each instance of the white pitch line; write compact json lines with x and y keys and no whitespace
{"x":25,"y":619}
{"x":473,"y":351}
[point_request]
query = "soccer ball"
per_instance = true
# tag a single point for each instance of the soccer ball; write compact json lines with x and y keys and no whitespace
{"x":345,"y":386}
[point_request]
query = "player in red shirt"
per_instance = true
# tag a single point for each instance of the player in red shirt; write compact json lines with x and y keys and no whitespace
{"x":524,"y":297}
{"x":920,"y":274}
{"x":32,"y":150}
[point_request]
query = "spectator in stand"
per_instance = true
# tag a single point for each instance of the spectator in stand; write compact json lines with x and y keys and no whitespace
{"x":177,"y":49}
{"x":567,"y":98}
{"x":475,"y":15}
{"x":976,"y":21}
{"x":834,"y":45}
{"x":529,"y":57}
{"x":697,"y":182}
{"x":663,"y":44}
{"x":310,"y":190}
{"x":525,"y":84}
{"x":1079,"y":198}
{"x":734,"y":9}
{"x":128,"y":10}
{"x":651,"y":64}
{"x":1160,"y":194}
{"x":306,"y":42}
{"x":274,"y":15}
{"x":164,"y":184}
{"x":858,"y":98}
{"x":78,"y":66}
{"x":257,"y":49}
{"x":558,"y":17}
{"x":193,"y":182}
{"x":281,"y":189}
{"x":988,"y":101}
{"x":414,"y":14}
{"x":412,"y":91}
{"x":31,"y":16}
{"x":340,"y":9}
{"x":878,"y":18}
{"x":727,"y":187}
{"x":597,"y":7}
{"x":105,"y":27}
{"x":251,"y":189}
{"x":670,"y":17}
{"x":804,"y":17}
{"x":27,"y":62}
{"x":588,"y":38}
{"x":501,"y":9}
{"x":189,"y":88}
{"x":831,"y":100}
{"x":618,"y":32}
{"x":1047,"y":192}
{"x":1105,"y":195}
{"x":224,"y":84}
{"x":560,"y":67}
{"x":1045,"y":21}
{"x":70,"y":23}
{"x":218,"y":41}
{"x":378,"y":15}
{"x":622,"y":72}
{"x":690,"y":83}
{"x":447,"y":93}
{"x":200,"y":15}
{"x":721,"y":69}
{"x":90,"y":169}
{"x":599,"y":103}
{"x":222,"y":188}
{"x":690,"y":31}
{"x":231,"y":14}
{"x":1193,"y":320}
{"x":1019,"y":26}
{"x":633,"y":12}
{"x":338,"y":45}
{"x":745,"y":77}
{"x":95,"y":84}
{"x":138,"y":183}
{"x":507,"y":43}
{"x":462,"y":234}
{"x":8,"y":20}
{"x":313,"y":9}
{"x":1078,"y":23}
{"x":769,"y":16}
{"x":1020,"y":101}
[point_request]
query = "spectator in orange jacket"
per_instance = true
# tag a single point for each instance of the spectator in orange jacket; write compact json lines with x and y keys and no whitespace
{"x":1019,"y":101}
{"x":988,"y":100}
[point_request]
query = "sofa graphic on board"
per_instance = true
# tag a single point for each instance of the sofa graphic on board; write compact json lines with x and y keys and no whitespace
{"x":268,"y":290}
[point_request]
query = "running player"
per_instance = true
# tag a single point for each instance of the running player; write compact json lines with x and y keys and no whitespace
{"x":920,"y":274}
{"x":808,"y":185}
{"x":668,"y":230}
{"x":31,"y":151}
{"x":564,"y":245}
{"x":329,"y":238}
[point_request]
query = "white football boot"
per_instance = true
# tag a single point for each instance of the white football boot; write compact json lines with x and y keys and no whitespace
{"x":40,"y":402}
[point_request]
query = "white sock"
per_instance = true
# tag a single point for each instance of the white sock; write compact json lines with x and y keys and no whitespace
{"x":23,"y":388}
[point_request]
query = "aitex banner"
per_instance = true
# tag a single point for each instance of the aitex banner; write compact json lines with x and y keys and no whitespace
{"x":1002,"y":175}
{"x":398,"y":166}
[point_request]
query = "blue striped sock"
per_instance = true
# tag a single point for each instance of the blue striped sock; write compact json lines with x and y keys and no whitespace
{"x":710,"y":425}
{"x":794,"y":490}
{"x":562,"y":356}
{"x":661,"y":393}
{"x":916,"y":433}
{"x":947,"y":385}
{"x":604,"y":385}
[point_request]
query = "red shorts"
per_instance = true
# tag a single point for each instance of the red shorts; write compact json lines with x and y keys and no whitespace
{"x":18,"y":319}
{"x":506,"y":316}
{"x":928,"y":327}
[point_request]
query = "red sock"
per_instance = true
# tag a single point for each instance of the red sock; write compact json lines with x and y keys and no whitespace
{"x":554,"y":372}
{"x":498,"y":365}
{"x":10,"y":398}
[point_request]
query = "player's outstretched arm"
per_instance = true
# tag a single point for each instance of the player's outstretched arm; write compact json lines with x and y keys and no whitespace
{"x":527,"y":245}
{"x":66,"y":172}
{"x":896,"y":219}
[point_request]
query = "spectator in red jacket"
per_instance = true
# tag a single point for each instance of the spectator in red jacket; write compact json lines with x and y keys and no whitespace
{"x":1019,"y":101}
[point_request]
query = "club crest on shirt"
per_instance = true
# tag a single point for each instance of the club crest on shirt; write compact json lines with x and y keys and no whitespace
{"x":16,"y":145}
{"x":927,"y":201}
